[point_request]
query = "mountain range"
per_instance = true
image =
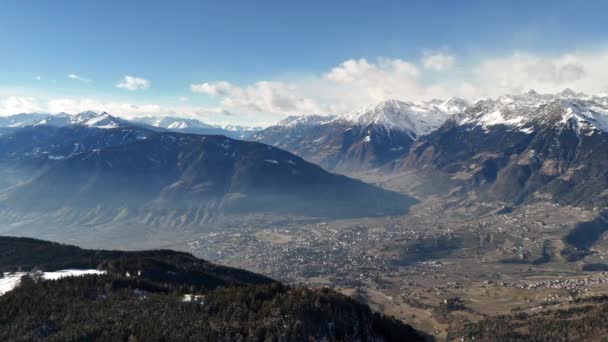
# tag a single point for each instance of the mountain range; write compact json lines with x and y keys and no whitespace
{"x":522,"y":147}
{"x":166,"y":123}
{"x":514,"y":148}
{"x":194,"y":126}
{"x":94,"y":168}
{"x":105,"y":170}
{"x":361,"y":140}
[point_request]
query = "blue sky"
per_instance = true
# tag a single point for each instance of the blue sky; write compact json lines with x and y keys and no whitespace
{"x":256,"y":61}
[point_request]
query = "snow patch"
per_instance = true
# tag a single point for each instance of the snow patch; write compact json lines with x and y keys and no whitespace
{"x":12,"y":280}
{"x":70,"y":273}
{"x":200,"y":299}
{"x":104,"y":121}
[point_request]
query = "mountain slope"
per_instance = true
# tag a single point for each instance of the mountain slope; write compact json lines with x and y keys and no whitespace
{"x":171,"y":179}
{"x":167,"y":295}
{"x":517,"y":146}
{"x":361,"y":140}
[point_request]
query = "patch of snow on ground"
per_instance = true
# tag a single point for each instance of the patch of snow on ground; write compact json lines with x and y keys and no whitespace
{"x":193,"y":298}
{"x":527,"y":130}
{"x":272,"y":161}
{"x":496,"y":118}
{"x":69,"y":273}
{"x":11,"y":280}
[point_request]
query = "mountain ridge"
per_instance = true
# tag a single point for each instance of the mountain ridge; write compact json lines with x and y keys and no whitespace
{"x":91,"y":176}
{"x":367,"y":138}
{"x":517,"y":148}
{"x":169,"y":295}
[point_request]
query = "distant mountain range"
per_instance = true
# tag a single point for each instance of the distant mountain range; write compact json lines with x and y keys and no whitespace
{"x":194,"y":126}
{"x":364,"y":139}
{"x":515,"y":148}
{"x":105,"y":170}
{"x":167,"y":123}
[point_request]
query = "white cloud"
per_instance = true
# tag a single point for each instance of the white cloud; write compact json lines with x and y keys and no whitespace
{"x":38,"y":78}
{"x":79,"y":78}
{"x":133,"y":83}
{"x":263,"y":97}
{"x":15,"y":105}
{"x":357,"y":82}
{"x":521,"y":71}
{"x":221,"y":88}
{"x":438,"y":61}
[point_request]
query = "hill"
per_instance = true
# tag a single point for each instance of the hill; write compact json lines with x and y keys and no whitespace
{"x":165,"y":295}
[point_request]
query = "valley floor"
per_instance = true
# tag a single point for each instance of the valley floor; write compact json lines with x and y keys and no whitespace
{"x":436,"y":268}
{"x":439,"y":267}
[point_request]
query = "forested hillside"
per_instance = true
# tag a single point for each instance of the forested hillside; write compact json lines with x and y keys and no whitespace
{"x":171,"y":296}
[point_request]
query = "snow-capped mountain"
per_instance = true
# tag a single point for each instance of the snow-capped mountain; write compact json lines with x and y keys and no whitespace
{"x":174,"y":123}
{"x":22,"y":120}
{"x":416,"y":118}
{"x":363,"y":139}
{"x":105,"y":120}
{"x":88,"y":118}
{"x":516,"y":147}
{"x":194,"y":126}
{"x":524,"y":111}
{"x":306,"y":120}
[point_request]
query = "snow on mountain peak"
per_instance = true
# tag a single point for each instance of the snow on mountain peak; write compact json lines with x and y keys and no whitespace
{"x":533,"y":109}
{"x":103,"y":121}
{"x":420,"y":118}
{"x":306,"y":120}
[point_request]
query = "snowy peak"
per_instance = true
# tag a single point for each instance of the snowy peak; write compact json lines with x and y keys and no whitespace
{"x":22,"y":120}
{"x":531,"y":110}
{"x":57,"y":120}
{"x":194,"y":126}
{"x":419,"y":118}
{"x":452,"y":105}
{"x":586,"y":115}
{"x":102,"y":121}
{"x":306,"y":120}
{"x":239,"y":128}
{"x":173,"y":123}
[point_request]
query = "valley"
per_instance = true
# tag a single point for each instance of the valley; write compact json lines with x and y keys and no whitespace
{"x":495,"y":263}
